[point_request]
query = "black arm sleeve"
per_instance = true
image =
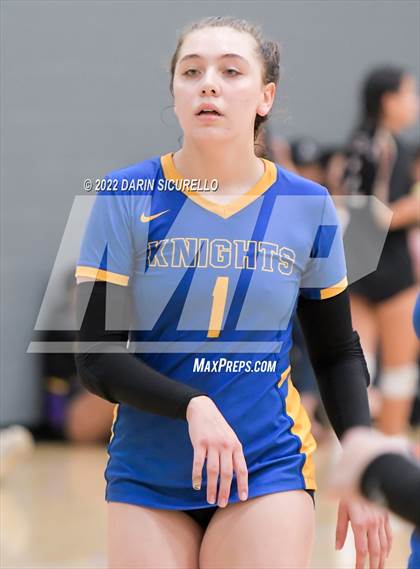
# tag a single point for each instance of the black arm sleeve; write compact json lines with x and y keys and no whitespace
{"x":337,"y":359}
{"x":395,"y":480}
{"x":108,"y":369}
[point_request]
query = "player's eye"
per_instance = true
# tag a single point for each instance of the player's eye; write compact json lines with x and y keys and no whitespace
{"x":190,"y":72}
{"x":232,"y":72}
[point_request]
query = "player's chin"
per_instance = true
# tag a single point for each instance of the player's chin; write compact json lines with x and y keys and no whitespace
{"x":211,"y":133}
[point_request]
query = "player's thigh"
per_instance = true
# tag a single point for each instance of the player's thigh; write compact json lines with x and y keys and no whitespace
{"x":399,"y":344}
{"x":363,"y":318}
{"x":271,"y":531}
{"x":149,"y":538}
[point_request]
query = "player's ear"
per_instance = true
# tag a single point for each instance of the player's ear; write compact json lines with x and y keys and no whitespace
{"x":268,"y":94}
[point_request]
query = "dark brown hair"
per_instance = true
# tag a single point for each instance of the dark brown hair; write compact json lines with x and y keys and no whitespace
{"x":379,"y":82}
{"x":268,"y":51}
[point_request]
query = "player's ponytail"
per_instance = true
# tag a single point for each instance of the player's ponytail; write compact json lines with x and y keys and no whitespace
{"x":268,"y":51}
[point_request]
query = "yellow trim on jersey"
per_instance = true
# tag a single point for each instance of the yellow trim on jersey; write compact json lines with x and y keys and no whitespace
{"x":115,"y":415}
{"x":284,"y":376}
{"x":101,"y":275}
{"x":302,"y":429}
{"x":223,"y":210}
{"x":334,"y":289}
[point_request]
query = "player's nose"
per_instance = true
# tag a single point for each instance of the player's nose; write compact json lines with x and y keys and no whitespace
{"x":209,"y":84}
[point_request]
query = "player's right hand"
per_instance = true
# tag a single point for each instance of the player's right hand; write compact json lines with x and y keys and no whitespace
{"x":213,"y":439}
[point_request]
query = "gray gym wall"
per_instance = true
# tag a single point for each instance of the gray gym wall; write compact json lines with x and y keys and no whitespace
{"x":84,"y":88}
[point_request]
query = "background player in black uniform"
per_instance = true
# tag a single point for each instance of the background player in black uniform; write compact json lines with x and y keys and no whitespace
{"x":379,"y":164}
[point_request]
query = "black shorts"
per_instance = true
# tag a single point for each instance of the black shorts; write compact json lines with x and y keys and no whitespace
{"x":376,"y":289}
{"x":393,"y":275}
{"x":203,"y":515}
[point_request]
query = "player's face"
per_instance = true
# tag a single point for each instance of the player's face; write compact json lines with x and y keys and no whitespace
{"x":402,"y":108}
{"x":219,"y":67}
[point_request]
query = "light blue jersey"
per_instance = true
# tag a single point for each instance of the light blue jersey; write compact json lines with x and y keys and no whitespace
{"x":214,"y":289}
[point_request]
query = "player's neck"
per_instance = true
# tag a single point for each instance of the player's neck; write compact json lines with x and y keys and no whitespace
{"x":235,"y":168}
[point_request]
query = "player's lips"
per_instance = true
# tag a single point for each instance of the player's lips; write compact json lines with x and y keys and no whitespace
{"x":208,"y":110}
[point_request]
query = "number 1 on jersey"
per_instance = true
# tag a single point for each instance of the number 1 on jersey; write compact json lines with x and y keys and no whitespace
{"x":218,"y":307}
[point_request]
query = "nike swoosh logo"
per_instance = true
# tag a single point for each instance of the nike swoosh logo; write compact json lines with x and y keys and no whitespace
{"x":146,"y":218}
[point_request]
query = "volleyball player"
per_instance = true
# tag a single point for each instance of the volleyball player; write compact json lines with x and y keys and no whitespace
{"x":379,"y":164}
{"x":210,"y":284}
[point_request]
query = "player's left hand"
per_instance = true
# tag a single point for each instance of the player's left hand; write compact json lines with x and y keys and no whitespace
{"x":371,"y":530}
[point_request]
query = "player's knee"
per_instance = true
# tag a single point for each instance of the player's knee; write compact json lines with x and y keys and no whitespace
{"x":399,"y":382}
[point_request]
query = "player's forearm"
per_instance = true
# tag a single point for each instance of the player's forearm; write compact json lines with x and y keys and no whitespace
{"x":342,"y":385}
{"x":406,"y":211}
{"x":395,"y":480}
{"x":123,"y":378}
{"x":337,"y":359}
{"x":108,"y":370}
